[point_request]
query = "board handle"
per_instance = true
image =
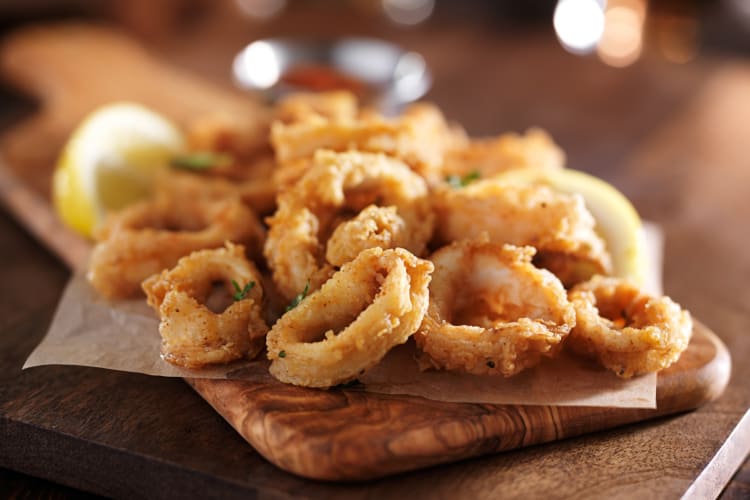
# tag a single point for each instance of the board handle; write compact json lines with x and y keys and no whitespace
{"x":40,"y":221}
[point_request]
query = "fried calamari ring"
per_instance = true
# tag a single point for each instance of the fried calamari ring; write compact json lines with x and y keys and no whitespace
{"x":149,"y":236}
{"x":419,"y":137}
{"x":558,"y":225}
{"x":337,"y":186}
{"x":242,"y":136}
{"x":491,"y":311}
{"x":372,"y":304}
{"x":489,"y":157}
{"x":625,"y":330}
{"x":193,"y":335}
{"x":253,"y":183}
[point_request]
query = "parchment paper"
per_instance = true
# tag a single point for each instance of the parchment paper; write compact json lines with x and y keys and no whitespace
{"x":87,"y":330}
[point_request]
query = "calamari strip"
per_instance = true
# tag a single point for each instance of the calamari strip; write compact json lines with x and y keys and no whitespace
{"x":491,"y":311}
{"x":626,"y":330}
{"x":372,"y":304}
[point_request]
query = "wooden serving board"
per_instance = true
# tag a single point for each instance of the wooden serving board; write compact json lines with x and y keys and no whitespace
{"x":346,"y":433}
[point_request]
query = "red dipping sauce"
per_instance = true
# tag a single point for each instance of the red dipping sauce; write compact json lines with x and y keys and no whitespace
{"x":320,"y":78}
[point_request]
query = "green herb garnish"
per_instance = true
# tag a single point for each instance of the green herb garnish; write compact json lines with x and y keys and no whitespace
{"x":202,"y":160}
{"x":282,"y":354}
{"x":456,"y":181}
{"x":241,"y":293}
{"x":300,"y":296}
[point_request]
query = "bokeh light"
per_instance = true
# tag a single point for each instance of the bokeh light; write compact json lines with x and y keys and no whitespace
{"x":411,"y":77}
{"x":622,"y":40}
{"x":579,"y":24}
{"x":257,"y":66}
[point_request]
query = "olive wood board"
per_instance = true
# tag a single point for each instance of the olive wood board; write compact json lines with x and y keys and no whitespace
{"x":340,"y":434}
{"x":348,"y":434}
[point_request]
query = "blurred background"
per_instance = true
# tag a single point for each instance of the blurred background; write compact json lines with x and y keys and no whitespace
{"x":651,"y":95}
{"x":618,"y":31}
{"x":598,"y":74}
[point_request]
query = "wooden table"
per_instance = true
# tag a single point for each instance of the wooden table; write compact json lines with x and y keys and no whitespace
{"x":673,"y":138}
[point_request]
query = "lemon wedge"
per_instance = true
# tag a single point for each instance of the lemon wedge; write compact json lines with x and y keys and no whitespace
{"x":110,"y":161}
{"x":617,"y":221}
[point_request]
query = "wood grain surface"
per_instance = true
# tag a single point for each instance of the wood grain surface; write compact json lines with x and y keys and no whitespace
{"x":81,"y":427}
{"x":345,"y":434}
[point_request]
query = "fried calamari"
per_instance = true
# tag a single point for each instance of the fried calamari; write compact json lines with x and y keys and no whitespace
{"x":558,"y":225}
{"x":375,"y":302}
{"x":491,"y":311}
{"x":626,"y":330}
{"x":337,"y":106}
{"x":253,"y":184}
{"x":149,"y":236}
{"x":419,"y":137}
{"x":336,"y":189}
{"x":193,"y":335}
{"x":354,"y":197}
{"x":489,"y":157}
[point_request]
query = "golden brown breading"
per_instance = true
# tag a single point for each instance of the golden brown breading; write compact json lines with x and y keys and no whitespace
{"x":192,"y":334}
{"x":491,"y":311}
{"x":626,"y":330}
{"x":372,"y":304}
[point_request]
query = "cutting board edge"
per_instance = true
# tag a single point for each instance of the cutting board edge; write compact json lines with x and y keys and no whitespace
{"x":270,"y":434}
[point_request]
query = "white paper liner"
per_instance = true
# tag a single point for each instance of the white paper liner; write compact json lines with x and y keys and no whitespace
{"x":87,"y":330}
